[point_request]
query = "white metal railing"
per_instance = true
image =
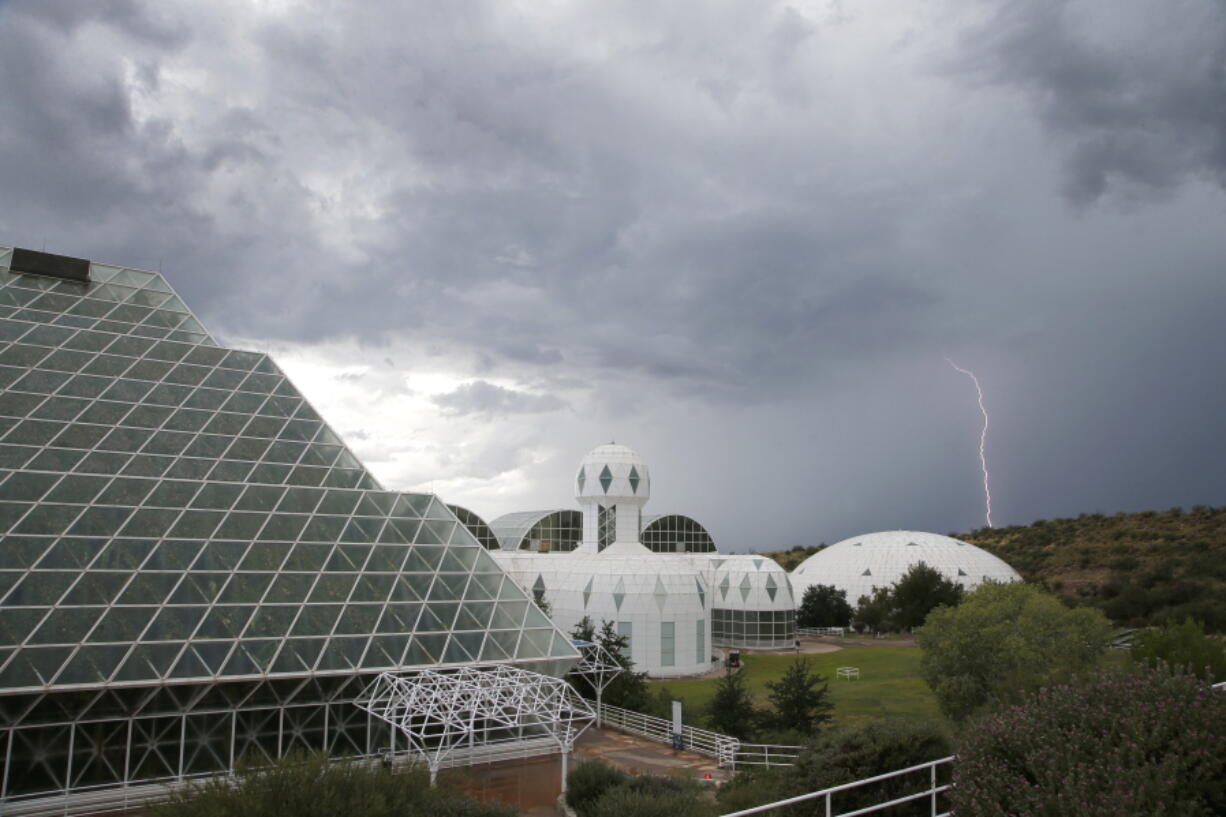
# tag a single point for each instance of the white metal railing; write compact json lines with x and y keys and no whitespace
{"x":931,"y":792}
{"x":1219,"y":686}
{"x":763,"y":754}
{"x":729,"y":751}
{"x":818,"y":631}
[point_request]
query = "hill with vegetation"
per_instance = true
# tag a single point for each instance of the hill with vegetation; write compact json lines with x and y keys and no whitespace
{"x":1151,"y":567}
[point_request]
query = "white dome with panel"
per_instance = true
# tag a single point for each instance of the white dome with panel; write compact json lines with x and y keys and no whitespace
{"x":752,"y":604}
{"x":660,"y":603}
{"x":611,"y":485}
{"x":860,"y":563}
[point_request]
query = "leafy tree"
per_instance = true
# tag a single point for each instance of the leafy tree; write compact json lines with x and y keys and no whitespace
{"x":303,"y":785}
{"x":799,"y":703}
{"x":1124,"y":744}
{"x":629,"y":688}
{"x":1182,"y":646}
{"x":824,"y":605}
{"x":843,"y":755}
{"x":1005,"y":639}
{"x":731,"y":708}
{"x":918,"y":592}
{"x":874,"y":612}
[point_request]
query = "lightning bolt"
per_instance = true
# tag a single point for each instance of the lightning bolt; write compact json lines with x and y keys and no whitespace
{"x":983,"y":438}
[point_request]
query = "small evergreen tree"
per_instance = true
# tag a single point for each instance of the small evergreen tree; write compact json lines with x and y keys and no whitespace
{"x":799,"y":702}
{"x":629,"y":688}
{"x":824,"y":605}
{"x":731,"y":709}
{"x":585,"y":630}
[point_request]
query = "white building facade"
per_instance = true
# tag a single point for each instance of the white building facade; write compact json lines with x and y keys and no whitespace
{"x":663,"y":599}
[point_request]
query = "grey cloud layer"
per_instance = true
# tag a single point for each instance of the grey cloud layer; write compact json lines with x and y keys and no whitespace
{"x":766,"y":208}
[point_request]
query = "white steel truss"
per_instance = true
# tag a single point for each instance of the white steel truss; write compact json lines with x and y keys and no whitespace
{"x":439,"y":711}
{"x":597,"y":667}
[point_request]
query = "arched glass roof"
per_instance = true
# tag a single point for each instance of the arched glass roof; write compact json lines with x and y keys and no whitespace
{"x":555,"y":530}
{"x":477,"y":526}
{"x":676,"y":533}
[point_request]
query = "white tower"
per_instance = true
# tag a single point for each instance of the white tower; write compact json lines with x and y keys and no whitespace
{"x":612,"y":486}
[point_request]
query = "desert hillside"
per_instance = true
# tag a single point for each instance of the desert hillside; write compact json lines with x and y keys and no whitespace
{"x":1139,"y":568}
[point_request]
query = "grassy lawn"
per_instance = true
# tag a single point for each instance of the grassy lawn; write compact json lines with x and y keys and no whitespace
{"x":889,"y":687}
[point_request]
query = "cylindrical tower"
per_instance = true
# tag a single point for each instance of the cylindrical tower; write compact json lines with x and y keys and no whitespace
{"x":612,"y":486}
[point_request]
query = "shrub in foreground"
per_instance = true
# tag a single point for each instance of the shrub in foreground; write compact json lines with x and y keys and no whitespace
{"x":1116,"y":744}
{"x":588,"y":781}
{"x":1183,"y":647}
{"x":305,"y":785}
{"x":844,"y":755}
{"x":1005,"y":640}
{"x":647,"y":796}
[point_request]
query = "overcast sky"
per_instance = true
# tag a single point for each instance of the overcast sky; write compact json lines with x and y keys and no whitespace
{"x":739,"y":237}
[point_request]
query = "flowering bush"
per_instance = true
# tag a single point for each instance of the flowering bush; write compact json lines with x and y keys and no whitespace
{"x":1141,"y":742}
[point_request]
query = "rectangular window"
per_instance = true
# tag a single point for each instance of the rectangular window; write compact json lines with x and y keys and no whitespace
{"x":701,"y":652}
{"x":667,"y":644}
{"x":625,"y":629}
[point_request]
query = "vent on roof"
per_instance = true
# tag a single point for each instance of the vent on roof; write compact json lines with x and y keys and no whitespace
{"x":45,"y":263}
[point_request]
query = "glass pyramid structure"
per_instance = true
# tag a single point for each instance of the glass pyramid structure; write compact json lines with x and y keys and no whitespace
{"x":194,"y":569}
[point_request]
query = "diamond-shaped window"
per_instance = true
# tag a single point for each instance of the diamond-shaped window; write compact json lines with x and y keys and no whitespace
{"x":660,"y":594}
{"x":582,"y":479}
{"x":744,"y":588}
{"x":606,"y":478}
{"x":634,"y":479}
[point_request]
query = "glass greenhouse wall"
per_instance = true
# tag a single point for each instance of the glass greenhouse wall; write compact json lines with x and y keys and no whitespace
{"x":676,"y":533}
{"x":195,"y":569}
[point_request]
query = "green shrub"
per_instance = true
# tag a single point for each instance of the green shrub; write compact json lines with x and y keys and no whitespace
{"x":647,"y":796}
{"x":305,"y":785}
{"x":1182,"y":646}
{"x":1115,"y":744}
{"x":1004,"y":640}
{"x":845,"y":755}
{"x":588,"y":781}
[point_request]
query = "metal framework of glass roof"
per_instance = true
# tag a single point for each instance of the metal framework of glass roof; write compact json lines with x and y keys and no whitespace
{"x":195,"y":568}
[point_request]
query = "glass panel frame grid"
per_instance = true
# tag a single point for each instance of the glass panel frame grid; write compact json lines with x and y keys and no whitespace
{"x":754,"y":629}
{"x":675,"y":533}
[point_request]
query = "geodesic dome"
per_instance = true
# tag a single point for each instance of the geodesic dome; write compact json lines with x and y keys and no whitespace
{"x":752,"y":603}
{"x":860,"y":563}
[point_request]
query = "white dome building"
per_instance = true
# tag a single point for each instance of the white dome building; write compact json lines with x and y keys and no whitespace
{"x":612,"y":485}
{"x":753,"y":605}
{"x":660,"y":602}
{"x":860,"y":563}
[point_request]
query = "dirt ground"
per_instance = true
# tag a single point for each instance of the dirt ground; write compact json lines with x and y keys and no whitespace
{"x":533,"y":785}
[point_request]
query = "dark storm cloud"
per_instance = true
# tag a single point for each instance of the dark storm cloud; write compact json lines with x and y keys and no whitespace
{"x":1136,"y":93}
{"x":481,"y":397}
{"x":720,"y":231}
